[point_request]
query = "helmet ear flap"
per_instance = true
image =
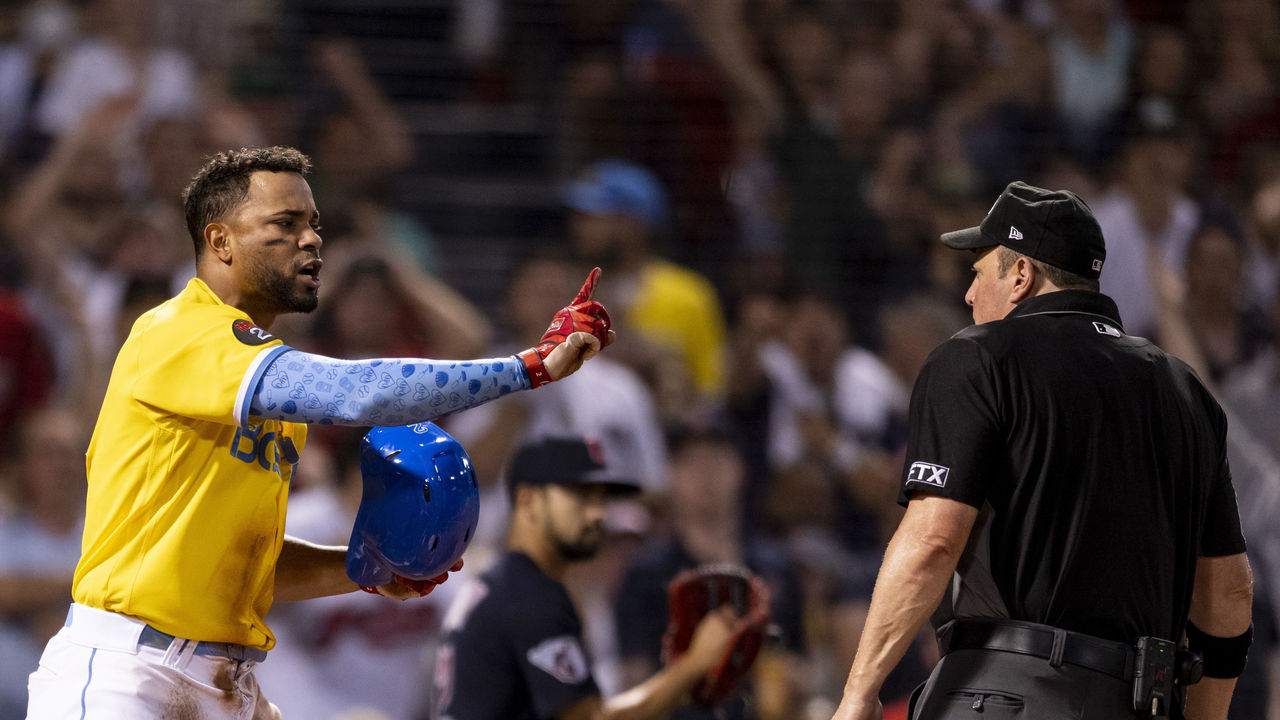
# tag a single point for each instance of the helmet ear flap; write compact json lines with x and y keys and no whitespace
{"x":420,"y":505}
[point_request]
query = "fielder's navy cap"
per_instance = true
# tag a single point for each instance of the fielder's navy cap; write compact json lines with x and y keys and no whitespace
{"x":1053,"y":226}
{"x":566,"y":461}
{"x":617,"y":187}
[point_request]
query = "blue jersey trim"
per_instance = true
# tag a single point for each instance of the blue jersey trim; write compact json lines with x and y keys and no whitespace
{"x":87,"y":680}
{"x":244,"y":398}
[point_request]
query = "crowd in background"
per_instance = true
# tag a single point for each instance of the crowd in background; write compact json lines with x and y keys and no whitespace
{"x":763,"y":183}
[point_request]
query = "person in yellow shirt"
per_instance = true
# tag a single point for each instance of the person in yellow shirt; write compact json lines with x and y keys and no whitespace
{"x":674,"y":313}
{"x":190,"y":461}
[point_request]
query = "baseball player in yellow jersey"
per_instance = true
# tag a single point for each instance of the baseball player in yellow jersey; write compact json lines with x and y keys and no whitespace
{"x":189,"y":466}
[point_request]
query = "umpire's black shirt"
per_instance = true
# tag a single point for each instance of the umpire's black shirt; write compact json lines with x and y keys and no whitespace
{"x":1097,"y":461}
{"x":514,"y":648}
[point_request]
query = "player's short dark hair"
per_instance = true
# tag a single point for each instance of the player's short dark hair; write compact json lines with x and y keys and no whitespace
{"x":1065,"y":280}
{"x":223,"y":183}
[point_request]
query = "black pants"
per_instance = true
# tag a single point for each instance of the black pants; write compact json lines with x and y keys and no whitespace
{"x":993,"y":685}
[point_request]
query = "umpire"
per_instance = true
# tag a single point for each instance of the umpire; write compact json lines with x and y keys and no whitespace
{"x":1067,"y":495}
{"x":514,"y":647}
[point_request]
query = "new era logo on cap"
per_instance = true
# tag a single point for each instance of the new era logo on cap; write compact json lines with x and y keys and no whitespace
{"x":1055,"y":227}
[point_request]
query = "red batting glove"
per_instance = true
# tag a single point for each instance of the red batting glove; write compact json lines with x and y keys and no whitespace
{"x":581,"y":315}
{"x":422,"y":587}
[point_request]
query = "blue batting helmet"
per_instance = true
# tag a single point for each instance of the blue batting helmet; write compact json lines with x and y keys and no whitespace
{"x":419,"y":508}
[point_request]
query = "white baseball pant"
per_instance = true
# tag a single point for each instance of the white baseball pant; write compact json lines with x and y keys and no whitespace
{"x":103,"y":665}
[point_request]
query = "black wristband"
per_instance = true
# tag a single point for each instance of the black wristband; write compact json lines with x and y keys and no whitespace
{"x":1223,"y":657}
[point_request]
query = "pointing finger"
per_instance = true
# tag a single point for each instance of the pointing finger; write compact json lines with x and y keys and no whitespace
{"x":588,"y":287}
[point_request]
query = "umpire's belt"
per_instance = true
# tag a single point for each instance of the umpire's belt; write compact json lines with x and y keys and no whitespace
{"x":1053,"y":644}
{"x":109,"y":630}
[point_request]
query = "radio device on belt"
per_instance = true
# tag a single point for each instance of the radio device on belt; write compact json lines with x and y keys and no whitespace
{"x":1157,"y":664}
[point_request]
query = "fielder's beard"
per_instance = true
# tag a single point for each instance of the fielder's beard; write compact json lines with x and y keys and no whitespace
{"x":584,"y":547}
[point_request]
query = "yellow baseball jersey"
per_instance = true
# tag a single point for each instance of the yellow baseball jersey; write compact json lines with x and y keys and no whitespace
{"x":186,"y":500}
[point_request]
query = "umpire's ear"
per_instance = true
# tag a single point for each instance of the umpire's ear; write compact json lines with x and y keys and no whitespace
{"x":217,"y":240}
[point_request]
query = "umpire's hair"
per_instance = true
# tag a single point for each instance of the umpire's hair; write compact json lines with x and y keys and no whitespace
{"x":1064,"y":279}
{"x":223,"y":183}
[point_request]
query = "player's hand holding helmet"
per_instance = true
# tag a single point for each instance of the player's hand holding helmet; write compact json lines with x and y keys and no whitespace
{"x":418,"y":512}
{"x":720,"y":613}
{"x":577,"y":332}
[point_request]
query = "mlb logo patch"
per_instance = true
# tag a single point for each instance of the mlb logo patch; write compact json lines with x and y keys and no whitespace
{"x":928,"y":474}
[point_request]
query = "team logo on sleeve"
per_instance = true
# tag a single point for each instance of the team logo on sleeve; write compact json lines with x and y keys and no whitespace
{"x":250,"y":334}
{"x":562,"y":658}
{"x":928,"y":474}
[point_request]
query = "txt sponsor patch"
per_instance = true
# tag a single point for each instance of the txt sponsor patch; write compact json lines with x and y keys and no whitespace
{"x":250,"y":334}
{"x":928,"y":473}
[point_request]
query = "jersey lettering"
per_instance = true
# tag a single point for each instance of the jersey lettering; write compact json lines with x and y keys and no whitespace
{"x":252,"y":445}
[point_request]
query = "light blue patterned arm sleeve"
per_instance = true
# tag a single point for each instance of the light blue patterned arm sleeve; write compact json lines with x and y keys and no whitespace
{"x":305,"y":388}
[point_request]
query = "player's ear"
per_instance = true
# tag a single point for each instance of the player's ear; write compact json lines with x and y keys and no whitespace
{"x":217,"y":240}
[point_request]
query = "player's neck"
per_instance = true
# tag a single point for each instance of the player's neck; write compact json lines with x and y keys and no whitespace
{"x":546,"y":557}
{"x":227,"y":290}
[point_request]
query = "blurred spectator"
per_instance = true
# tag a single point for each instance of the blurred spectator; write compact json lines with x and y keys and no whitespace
{"x":1228,"y":332}
{"x":828,"y":410}
{"x":836,"y":242}
{"x":116,"y":58}
{"x":39,"y":545}
{"x":705,"y":510}
{"x":1262,"y":256}
{"x":361,"y":141}
{"x":604,"y":400}
{"x":669,"y":319}
{"x":1091,"y":45}
{"x":1146,"y":212}
{"x":31,"y":35}
{"x":1162,"y":89}
{"x":26,"y":367}
{"x":72,"y":215}
{"x":1000,"y":124}
{"x":1252,"y":391}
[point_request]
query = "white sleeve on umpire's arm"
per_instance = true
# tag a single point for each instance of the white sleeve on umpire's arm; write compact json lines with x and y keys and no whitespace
{"x":306,"y":388}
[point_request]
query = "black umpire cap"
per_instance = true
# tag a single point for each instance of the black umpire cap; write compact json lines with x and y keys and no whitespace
{"x":566,"y":461}
{"x":1052,"y":226}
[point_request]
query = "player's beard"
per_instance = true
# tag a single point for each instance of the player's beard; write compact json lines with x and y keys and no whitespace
{"x":583,"y":547}
{"x":283,"y":289}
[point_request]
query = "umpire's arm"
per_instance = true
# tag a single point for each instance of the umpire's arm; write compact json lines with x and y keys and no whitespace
{"x":1221,"y":607}
{"x":920,"y":560}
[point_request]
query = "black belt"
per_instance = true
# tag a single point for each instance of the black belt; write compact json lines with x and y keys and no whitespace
{"x":1055,"y":645}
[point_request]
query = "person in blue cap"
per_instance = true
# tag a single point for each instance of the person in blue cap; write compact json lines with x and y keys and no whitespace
{"x":673,"y":314}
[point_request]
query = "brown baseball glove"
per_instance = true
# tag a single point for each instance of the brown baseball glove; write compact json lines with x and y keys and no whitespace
{"x":694,"y":593}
